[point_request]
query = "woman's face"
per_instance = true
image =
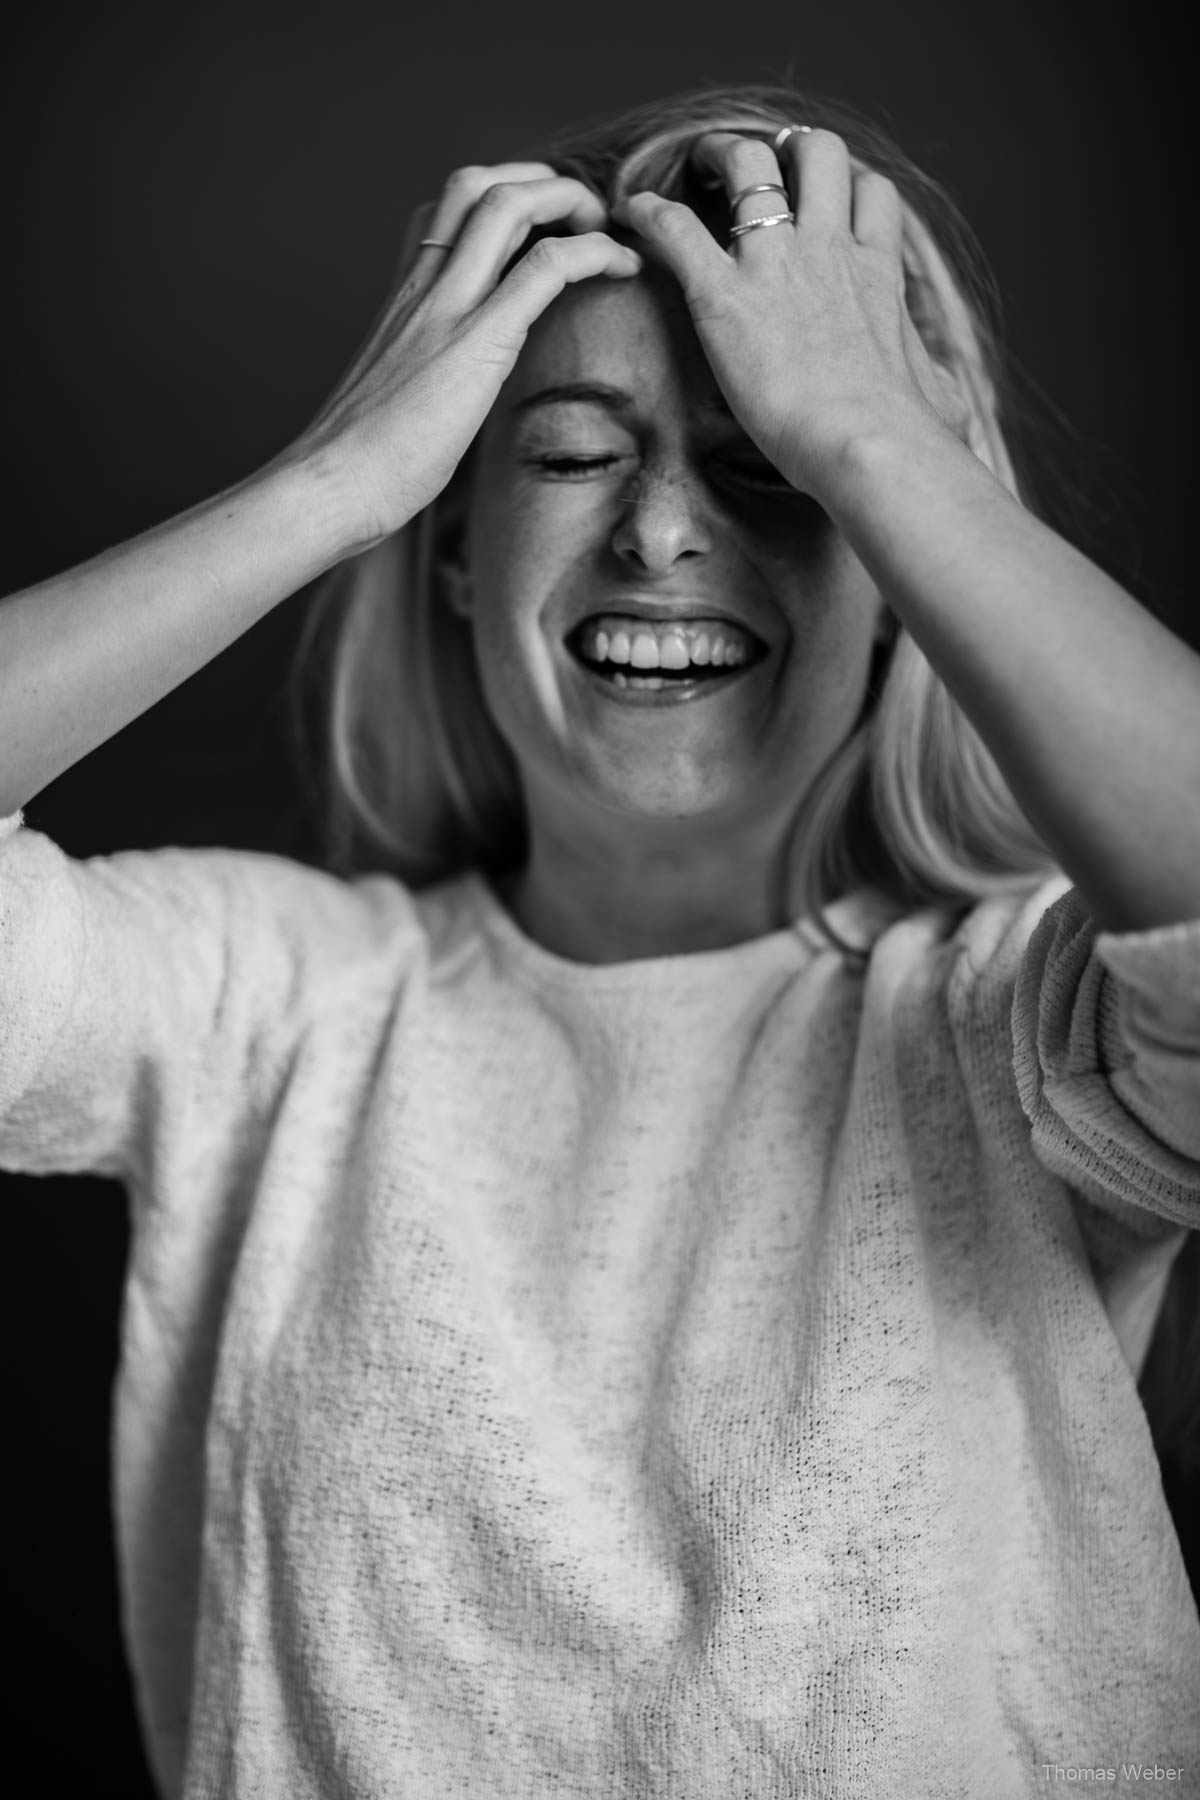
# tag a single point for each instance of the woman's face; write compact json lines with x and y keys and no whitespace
{"x":665,"y":629}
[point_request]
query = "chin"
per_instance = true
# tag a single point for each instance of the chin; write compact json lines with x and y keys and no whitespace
{"x":674,"y":796}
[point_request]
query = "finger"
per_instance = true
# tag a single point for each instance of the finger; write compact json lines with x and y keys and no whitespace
{"x":499,"y":224}
{"x":551,"y":265}
{"x":749,"y":171}
{"x":821,"y":179}
{"x":878,"y":212}
{"x":466,"y":187}
{"x":674,"y":232}
{"x":419,"y":226}
{"x":435,"y":227}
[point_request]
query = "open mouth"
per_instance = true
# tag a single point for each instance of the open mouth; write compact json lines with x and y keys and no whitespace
{"x":659,"y":655}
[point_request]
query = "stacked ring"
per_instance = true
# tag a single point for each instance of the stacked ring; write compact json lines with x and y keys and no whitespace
{"x":779,"y":218}
{"x":760,"y":187}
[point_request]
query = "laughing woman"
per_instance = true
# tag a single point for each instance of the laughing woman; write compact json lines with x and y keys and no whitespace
{"x":638,"y":1279}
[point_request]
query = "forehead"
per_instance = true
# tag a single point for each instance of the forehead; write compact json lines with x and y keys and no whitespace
{"x":633,"y":334}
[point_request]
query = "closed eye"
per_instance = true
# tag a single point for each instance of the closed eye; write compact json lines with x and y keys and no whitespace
{"x":574,"y":468}
{"x":757,"y":474}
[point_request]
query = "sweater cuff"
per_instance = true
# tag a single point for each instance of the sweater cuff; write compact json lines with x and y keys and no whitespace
{"x":1150,"y":1030}
{"x":1161,"y":968}
{"x":1107,"y":1058}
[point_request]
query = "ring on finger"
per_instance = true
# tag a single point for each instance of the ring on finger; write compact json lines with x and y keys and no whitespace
{"x":433,"y":244}
{"x":781,"y":137}
{"x":780,"y":218}
{"x":760,"y":187}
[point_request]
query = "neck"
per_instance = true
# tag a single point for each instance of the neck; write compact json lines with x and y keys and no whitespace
{"x":663,"y":888}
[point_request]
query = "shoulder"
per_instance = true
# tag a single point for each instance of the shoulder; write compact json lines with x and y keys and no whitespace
{"x":959,"y":946}
{"x":212,"y":915}
{"x":941,"y":970}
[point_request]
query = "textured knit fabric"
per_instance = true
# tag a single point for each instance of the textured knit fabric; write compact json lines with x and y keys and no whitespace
{"x":689,"y":1379}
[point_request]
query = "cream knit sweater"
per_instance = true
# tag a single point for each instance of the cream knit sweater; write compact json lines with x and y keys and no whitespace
{"x":689,"y":1379}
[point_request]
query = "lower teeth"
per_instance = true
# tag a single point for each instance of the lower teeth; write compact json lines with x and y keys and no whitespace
{"x":687,"y":678}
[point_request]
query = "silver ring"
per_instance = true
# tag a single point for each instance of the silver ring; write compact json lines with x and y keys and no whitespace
{"x":760,"y":187}
{"x":433,"y":244}
{"x":787,"y":218}
{"x":781,"y":137}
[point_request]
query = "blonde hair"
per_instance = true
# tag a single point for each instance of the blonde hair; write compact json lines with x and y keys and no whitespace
{"x":418,"y":781}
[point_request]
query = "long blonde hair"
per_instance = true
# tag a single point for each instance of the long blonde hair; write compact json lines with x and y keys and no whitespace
{"x":417,"y":780}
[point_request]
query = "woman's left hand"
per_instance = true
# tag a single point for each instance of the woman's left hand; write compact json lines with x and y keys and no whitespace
{"x":804,"y":324}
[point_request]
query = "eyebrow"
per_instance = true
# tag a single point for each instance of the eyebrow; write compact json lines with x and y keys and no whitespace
{"x":614,"y":400}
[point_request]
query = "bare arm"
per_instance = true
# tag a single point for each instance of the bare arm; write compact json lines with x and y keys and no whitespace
{"x":83,"y":654}
{"x":1090,"y":706}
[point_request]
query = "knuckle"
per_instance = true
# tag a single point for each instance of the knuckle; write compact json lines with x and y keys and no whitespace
{"x":820,"y":136}
{"x":466,"y":180}
{"x":498,"y":196}
{"x":547,"y":253}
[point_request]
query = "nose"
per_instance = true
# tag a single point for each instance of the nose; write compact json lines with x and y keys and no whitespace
{"x":664,"y":521}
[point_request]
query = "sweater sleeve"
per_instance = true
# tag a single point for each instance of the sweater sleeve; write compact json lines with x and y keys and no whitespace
{"x":1106,"y":1048}
{"x":156,"y":994}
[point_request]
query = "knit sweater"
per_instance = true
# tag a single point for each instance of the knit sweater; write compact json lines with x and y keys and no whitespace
{"x":688,"y":1379}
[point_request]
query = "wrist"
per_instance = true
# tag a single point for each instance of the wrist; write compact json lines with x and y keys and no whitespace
{"x":317,"y":491}
{"x":871,"y":452}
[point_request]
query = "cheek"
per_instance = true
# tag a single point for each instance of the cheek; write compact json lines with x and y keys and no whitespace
{"x":521,"y":545}
{"x":832,"y":605}
{"x":527,"y":546}
{"x":515,"y":575}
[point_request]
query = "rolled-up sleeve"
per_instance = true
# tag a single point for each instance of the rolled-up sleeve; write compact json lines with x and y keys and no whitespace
{"x":1106,"y":1050}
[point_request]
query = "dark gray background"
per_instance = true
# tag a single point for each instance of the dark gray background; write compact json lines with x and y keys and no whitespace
{"x":201,"y":213}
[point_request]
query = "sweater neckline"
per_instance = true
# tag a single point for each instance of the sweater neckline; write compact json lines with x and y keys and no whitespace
{"x":792,"y":945}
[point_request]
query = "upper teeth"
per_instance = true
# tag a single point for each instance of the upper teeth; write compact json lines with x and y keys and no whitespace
{"x":645,"y":644}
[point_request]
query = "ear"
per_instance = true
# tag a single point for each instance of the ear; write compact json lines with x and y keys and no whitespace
{"x":455,"y":579}
{"x":450,"y":557}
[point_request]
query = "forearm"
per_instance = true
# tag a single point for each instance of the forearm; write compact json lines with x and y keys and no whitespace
{"x":84,"y":653}
{"x":1089,"y":705}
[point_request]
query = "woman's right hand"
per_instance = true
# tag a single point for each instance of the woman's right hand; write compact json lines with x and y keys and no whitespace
{"x":406,"y":411}
{"x":87,"y":651}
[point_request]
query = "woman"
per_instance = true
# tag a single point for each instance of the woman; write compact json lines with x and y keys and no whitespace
{"x":649,"y":1303}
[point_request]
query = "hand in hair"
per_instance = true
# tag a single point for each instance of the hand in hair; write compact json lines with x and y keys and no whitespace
{"x":84,"y":653}
{"x":805,"y":324}
{"x":407,"y":409}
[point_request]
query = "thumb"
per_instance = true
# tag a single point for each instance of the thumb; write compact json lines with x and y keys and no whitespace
{"x":672,"y":229}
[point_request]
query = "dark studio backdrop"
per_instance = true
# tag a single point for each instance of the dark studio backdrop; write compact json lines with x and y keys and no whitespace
{"x":202,"y":211}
